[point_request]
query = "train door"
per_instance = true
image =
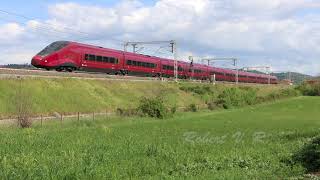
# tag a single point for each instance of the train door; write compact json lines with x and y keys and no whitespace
{"x":84,"y":60}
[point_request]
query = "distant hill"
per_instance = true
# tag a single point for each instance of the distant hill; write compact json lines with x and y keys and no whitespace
{"x":297,"y":78}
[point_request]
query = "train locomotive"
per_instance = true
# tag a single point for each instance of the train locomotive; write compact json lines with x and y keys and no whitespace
{"x":70,"y":56}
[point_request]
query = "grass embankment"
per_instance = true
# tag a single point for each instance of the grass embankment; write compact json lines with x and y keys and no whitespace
{"x":248,"y":143}
{"x":74,"y":95}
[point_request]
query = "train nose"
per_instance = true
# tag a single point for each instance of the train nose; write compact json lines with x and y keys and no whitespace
{"x":36,"y":61}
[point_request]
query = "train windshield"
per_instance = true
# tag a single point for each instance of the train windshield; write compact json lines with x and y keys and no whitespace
{"x":56,"y":46}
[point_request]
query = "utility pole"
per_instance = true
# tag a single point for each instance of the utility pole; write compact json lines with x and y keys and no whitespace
{"x":175,"y":54}
{"x":191,"y":66}
{"x":134,"y":46}
{"x":173,"y":46}
{"x":290,"y":77}
{"x":237,"y":73}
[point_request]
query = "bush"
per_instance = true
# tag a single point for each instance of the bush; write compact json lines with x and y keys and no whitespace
{"x":235,"y":97}
{"x":309,"y":156}
{"x":201,"y":90}
{"x":153,"y":107}
{"x":309,"y":89}
{"x":212,"y":105}
{"x":23,"y":106}
{"x":173,"y":109}
{"x":289,"y":93}
{"x":284,"y":93}
{"x":193,"y":107}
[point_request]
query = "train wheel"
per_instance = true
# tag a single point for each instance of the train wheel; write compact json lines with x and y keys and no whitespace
{"x":123,"y":72}
{"x":70,"y":69}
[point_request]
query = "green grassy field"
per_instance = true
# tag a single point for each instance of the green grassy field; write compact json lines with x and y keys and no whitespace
{"x":247,"y":143}
{"x":75,"y":95}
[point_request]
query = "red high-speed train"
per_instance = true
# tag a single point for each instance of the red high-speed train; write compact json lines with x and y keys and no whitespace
{"x":70,"y":56}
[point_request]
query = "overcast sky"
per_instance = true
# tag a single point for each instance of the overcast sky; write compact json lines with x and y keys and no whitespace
{"x":281,"y":33}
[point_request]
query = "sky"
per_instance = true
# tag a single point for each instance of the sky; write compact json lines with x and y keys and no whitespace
{"x":283,"y":34}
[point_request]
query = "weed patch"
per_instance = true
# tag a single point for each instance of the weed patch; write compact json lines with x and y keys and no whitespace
{"x":309,"y":156}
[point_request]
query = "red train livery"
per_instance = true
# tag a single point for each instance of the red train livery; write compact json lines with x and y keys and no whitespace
{"x":70,"y":56}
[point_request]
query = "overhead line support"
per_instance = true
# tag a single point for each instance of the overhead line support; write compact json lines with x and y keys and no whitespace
{"x":173,"y":46}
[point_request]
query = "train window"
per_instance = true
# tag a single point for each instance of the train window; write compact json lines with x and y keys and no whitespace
{"x":92,"y":57}
{"x":197,"y":71}
{"x":180,"y":68}
{"x":112,"y":60}
{"x":129,"y":62}
{"x":216,"y":73}
{"x":86,"y":57}
{"x":117,"y":61}
{"x":164,"y":67}
{"x":105,"y":59}
{"x":56,"y":46}
{"x":139,"y":63}
{"x":99,"y":58}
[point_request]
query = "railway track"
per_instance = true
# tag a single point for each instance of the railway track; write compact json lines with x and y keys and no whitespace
{"x":6,"y":73}
{"x":16,"y":73}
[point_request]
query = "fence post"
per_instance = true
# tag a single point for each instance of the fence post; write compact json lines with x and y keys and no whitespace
{"x":61,"y":118}
{"x":78,"y":117}
{"x":41,"y":120}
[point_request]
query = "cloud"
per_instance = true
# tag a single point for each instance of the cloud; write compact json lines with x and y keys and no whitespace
{"x":10,"y":33}
{"x":280,"y":33}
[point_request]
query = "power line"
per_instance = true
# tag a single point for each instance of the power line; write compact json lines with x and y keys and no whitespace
{"x":35,"y":28}
{"x":31,"y":18}
{"x":52,"y":31}
{"x":50,"y":27}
